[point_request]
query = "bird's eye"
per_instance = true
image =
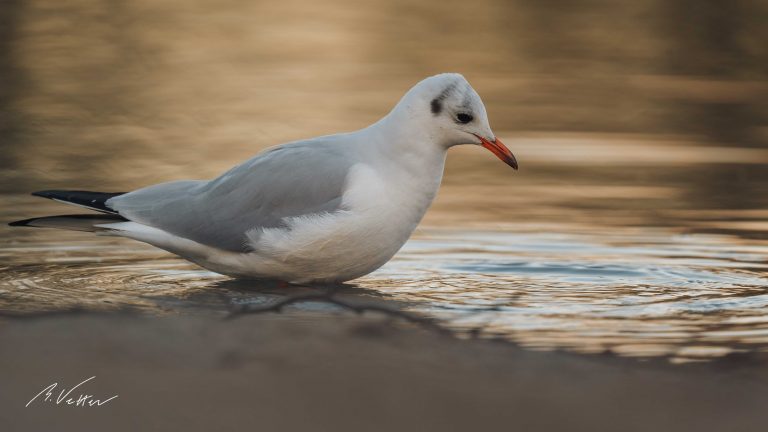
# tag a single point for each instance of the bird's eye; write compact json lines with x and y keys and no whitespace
{"x":464,"y":118}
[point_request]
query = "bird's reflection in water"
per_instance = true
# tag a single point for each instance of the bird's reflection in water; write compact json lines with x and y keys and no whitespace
{"x":233,"y":294}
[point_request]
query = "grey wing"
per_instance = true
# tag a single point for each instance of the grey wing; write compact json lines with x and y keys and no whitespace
{"x":291,"y":180}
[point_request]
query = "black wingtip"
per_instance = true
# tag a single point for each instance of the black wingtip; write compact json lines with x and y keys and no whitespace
{"x":49,"y":193}
{"x":92,"y":200}
{"x":24,"y":222}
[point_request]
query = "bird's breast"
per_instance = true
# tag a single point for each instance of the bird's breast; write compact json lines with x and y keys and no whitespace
{"x":398,"y":198}
{"x":377,"y":217}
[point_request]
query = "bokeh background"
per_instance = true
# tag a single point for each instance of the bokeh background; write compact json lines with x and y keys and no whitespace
{"x":638,"y":221}
{"x":134,"y":92}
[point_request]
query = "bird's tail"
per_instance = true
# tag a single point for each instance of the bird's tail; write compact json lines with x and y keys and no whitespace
{"x":76,"y":222}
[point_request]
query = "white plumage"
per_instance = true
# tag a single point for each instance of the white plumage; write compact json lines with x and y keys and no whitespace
{"x":328,"y":209}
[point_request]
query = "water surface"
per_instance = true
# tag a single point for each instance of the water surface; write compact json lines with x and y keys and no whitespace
{"x":638,"y":222}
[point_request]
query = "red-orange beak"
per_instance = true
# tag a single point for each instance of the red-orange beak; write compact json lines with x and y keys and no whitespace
{"x":500,"y":150}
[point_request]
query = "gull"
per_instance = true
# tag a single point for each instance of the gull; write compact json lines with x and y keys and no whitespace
{"x":322,"y":210}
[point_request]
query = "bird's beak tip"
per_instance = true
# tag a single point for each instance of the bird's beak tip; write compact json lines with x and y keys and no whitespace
{"x":500,"y":150}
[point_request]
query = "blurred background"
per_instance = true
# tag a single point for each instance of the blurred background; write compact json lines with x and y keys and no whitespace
{"x":141,"y":91}
{"x":640,"y":126}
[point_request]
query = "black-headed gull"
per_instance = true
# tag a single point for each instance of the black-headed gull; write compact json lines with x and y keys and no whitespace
{"x":328,"y":209}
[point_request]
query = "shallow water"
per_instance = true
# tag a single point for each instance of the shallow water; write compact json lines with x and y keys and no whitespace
{"x":591,"y":267}
{"x":638,"y":222}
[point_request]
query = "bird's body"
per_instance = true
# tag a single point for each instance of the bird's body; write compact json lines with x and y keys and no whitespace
{"x":350,"y":225}
{"x":328,"y":209}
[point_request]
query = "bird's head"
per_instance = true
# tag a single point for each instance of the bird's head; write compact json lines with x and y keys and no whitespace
{"x":452,"y":113}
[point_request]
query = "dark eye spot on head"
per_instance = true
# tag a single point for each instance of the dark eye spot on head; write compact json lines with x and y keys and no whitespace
{"x":464,"y":118}
{"x":436,"y":106}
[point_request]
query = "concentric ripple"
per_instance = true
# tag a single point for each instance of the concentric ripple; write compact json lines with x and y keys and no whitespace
{"x":640,"y":294}
{"x":657,"y":293}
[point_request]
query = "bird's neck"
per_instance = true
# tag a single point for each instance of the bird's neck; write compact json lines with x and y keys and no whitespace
{"x":410,"y":159}
{"x":401,"y":138}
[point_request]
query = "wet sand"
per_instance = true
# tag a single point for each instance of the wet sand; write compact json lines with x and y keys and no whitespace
{"x":349,"y":373}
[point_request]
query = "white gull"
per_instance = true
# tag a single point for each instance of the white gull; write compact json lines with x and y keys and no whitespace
{"x":325,"y":210}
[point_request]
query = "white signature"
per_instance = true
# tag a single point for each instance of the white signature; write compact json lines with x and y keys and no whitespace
{"x":82,"y":399}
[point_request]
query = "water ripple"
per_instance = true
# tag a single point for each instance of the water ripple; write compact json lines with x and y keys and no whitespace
{"x":631,"y":293}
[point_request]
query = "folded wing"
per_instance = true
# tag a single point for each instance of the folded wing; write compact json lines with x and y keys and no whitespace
{"x":295,"y":179}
